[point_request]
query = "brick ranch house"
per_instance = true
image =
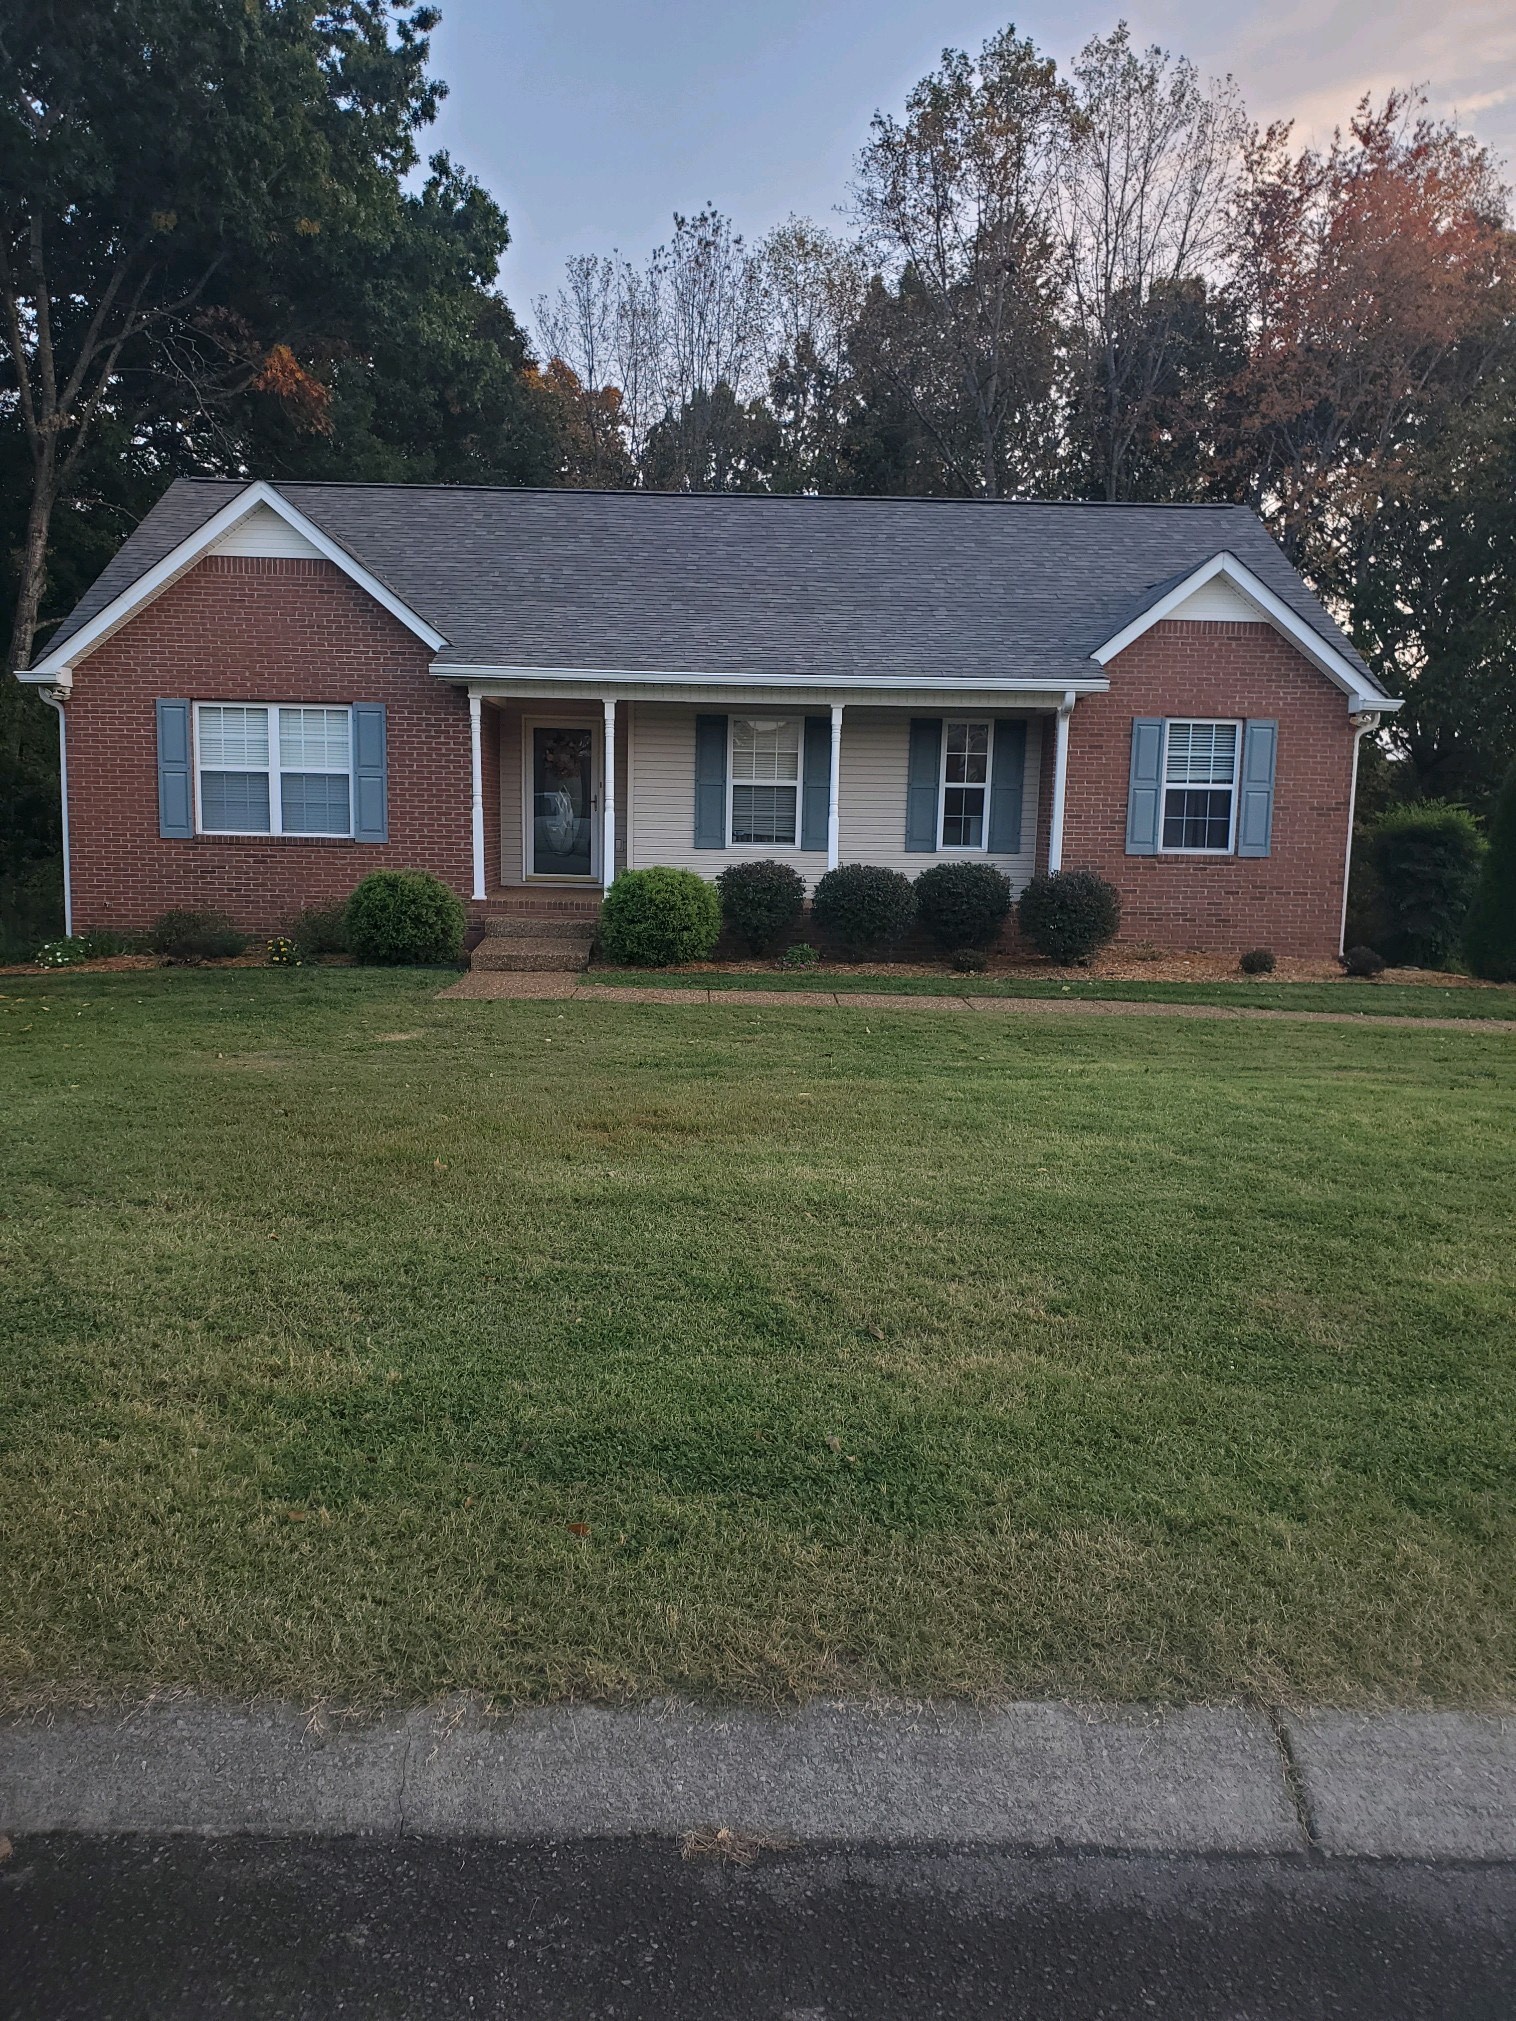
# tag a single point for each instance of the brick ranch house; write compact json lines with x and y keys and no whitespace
{"x":272,"y":690}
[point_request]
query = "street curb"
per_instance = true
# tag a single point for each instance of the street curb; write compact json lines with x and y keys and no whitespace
{"x":1121,"y":1778}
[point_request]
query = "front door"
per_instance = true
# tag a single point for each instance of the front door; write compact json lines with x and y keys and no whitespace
{"x":561,"y":839}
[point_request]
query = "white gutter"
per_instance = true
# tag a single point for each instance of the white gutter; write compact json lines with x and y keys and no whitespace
{"x":55,"y":695}
{"x":1060,"y":781}
{"x":1362,"y":726}
{"x":643,"y":678}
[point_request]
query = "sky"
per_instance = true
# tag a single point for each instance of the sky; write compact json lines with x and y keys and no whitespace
{"x":593,"y":123}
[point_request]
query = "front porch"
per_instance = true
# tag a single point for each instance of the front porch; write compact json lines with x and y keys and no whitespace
{"x":568,"y":786}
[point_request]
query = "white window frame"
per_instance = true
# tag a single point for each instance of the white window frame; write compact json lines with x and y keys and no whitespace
{"x":1207,"y":722}
{"x":981,"y":848}
{"x":275,"y":828}
{"x":733,"y":782}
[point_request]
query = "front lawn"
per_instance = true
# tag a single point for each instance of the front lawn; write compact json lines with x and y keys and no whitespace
{"x":364,"y":1345}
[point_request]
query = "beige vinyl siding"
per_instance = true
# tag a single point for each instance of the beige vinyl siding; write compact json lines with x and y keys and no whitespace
{"x":871,"y":796}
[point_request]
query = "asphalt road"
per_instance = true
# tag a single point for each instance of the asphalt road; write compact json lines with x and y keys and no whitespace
{"x":118,"y":1929}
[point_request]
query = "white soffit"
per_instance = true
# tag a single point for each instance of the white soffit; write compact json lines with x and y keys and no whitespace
{"x":264,"y":533}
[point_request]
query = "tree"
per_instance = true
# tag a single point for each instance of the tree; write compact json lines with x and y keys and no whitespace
{"x":1141,"y":195}
{"x":1489,"y":937}
{"x":956,"y":204}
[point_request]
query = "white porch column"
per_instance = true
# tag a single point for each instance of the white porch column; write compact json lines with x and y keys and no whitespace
{"x":1363,"y":725}
{"x":476,"y":785}
{"x":833,"y":817}
{"x":608,"y":840}
{"x":1060,"y":780}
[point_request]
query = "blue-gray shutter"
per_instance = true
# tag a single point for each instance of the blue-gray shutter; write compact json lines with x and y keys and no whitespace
{"x":922,"y":774}
{"x":710,"y":782}
{"x":816,"y":782}
{"x":1255,"y":809}
{"x":1144,"y":793}
{"x":371,"y":795}
{"x":1007,"y":778}
{"x":176,"y":798}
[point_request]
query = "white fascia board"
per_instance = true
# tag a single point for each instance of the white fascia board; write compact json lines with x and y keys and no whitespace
{"x":632,"y":679}
{"x":199,"y":543}
{"x":1302,"y":636}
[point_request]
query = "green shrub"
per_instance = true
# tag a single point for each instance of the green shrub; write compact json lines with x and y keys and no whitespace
{"x":197,"y":936}
{"x":800,"y":954}
{"x":62,"y":953}
{"x":320,"y":929}
{"x":1364,"y":963}
{"x":759,"y":900}
{"x":1489,"y":934}
{"x":1426,"y":857}
{"x":1258,"y":961}
{"x":404,"y":917}
{"x":283,"y":952}
{"x":864,"y":907}
{"x":654,"y":918}
{"x":1069,"y":915}
{"x":969,"y":960}
{"x":963,"y":904}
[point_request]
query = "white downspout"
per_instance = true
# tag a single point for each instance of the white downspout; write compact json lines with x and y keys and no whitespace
{"x":1060,"y":781}
{"x":55,"y":697}
{"x":833,"y":792}
{"x":476,"y":786}
{"x":608,"y":842}
{"x":1362,"y":725}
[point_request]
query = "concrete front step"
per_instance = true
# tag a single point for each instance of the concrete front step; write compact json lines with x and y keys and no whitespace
{"x":520,"y":926}
{"x":526,"y":957}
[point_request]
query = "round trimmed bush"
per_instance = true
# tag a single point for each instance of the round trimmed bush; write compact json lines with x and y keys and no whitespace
{"x":1489,"y":937}
{"x":963,"y":904}
{"x":1426,"y":859}
{"x":760,"y":900}
{"x":404,"y":917}
{"x":1257,"y":961}
{"x":969,"y":960}
{"x":197,"y":936}
{"x":1363,"y":962}
{"x":1069,"y":915}
{"x":863,"y":907}
{"x":653,"y":918}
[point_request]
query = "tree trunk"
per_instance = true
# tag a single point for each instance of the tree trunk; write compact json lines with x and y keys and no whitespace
{"x":32,"y":575}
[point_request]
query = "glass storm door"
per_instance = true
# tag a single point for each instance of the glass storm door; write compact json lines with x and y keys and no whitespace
{"x":562,"y":827}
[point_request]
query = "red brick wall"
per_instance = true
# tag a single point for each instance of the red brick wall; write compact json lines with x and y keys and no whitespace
{"x":238,"y":628}
{"x":1290,"y":900}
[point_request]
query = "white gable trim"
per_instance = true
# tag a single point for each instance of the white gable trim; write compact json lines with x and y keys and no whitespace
{"x":157,"y":579}
{"x":1227,"y":568}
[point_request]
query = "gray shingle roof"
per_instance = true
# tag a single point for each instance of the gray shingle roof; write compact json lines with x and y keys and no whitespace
{"x":932,"y":589}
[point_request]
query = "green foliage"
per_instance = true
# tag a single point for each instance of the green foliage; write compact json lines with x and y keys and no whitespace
{"x":283,"y":952}
{"x":404,"y":916}
{"x":1257,"y":961}
{"x":864,"y":907}
{"x":1426,"y":858}
{"x":963,"y":904}
{"x":800,"y":954}
{"x":1489,"y":935}
{"x":319,"y":930}
{"x":759,"y":901}
{"x":197,"y":936}
{"x":1069,"y":915}
{"x":969,"y":960}
{"x":654,"y":918}
{"x":1364,"y":963}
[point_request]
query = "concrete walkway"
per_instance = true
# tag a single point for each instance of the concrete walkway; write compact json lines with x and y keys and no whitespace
{"x":488,"y":984}
{"x":1192,"y":1780}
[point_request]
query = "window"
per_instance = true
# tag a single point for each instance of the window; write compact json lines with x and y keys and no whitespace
{"x":266,"y":770}
{"x":965,"y":784}
{"x":765,"y":776}
{"x":1199,"y":785}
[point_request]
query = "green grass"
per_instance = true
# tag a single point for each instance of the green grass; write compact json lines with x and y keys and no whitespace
{"x":1364,"y":999}
{"x":1092,"y":1356}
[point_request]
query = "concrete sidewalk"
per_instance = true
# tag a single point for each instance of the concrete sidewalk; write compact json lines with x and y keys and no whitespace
{"x":1038,"y":1776}
{"x":483,"y":985}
